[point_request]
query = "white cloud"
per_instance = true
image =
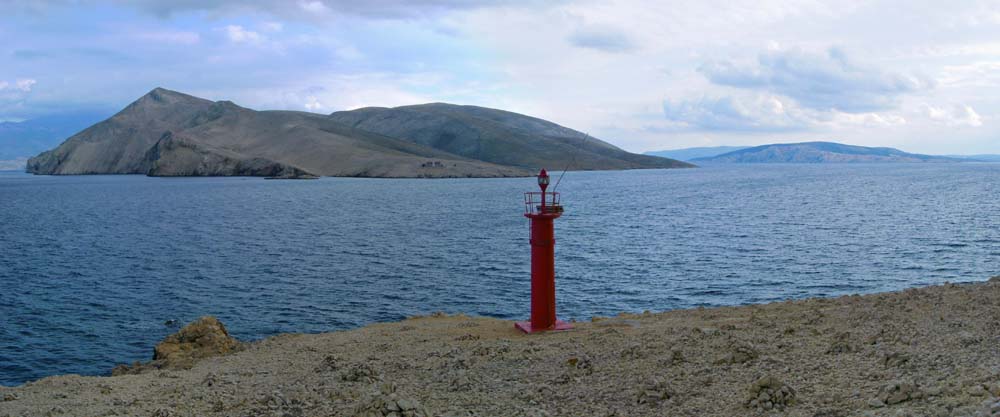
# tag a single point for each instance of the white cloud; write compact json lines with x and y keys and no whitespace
{"x":21,"y":85}
{"x":313,"y":104}
{"x":25,"y":84}
{"x":171,"y":37}
{"x":979,"y":74}
{"x":828,"y":82}
{"x":759,"y":112}
{"x":238,"y":34}
{"x":13,"y":98}
{"x":316,"y":7}
{"x":272,"y":26}
{"x":954,"y":115}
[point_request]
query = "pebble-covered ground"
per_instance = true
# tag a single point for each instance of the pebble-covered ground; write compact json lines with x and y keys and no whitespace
{"x":922,"y":352}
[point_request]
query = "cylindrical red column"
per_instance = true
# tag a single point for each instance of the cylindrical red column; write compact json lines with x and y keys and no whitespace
{"x":543,"y":272}
{"x":542,"y":212}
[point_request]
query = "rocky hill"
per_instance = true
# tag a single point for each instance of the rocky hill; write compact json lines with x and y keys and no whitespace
{"x":166,"y":133}
{"x":820,"y":152}
{"x":497,"y":136}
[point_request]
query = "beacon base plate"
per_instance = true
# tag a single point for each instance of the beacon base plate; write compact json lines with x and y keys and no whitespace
{"x":525,"y":326}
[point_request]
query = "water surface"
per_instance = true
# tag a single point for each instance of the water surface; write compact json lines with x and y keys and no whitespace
{"x":92,"y":266}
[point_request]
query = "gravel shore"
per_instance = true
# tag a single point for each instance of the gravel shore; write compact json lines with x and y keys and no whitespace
{"x":931,"y":351}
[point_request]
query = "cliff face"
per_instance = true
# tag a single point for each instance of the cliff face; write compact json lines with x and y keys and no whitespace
{"x":170,"y":133}
{"x":174,"y":156}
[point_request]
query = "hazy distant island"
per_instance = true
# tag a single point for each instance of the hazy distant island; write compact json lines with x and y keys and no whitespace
{"x":689,"y":154}
{"x":13,"y":164}
{"x":820,"y":152}
{"x":809,"y":152}
{"x":166,"y":133}
{"x":981,"y":158}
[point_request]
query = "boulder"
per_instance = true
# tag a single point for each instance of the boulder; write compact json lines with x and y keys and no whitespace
{"x":896,"y":392}
{"x":201,"y":338}
{"x":770,"y":393}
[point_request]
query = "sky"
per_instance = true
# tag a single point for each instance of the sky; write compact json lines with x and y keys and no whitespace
{"x":922,"y":76}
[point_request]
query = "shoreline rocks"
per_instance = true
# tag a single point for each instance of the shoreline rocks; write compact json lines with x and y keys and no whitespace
{"x":901,"y":353}
{"x":203,"y":338}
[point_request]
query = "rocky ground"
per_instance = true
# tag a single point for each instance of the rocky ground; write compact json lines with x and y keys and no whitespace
{"x":922,"y":352}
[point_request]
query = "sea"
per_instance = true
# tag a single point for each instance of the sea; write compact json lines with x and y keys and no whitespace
{"x":95,"y":270}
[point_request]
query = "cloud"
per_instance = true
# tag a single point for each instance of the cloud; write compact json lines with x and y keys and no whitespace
{"x":272,"y":26}
{"x":605,"y":39}
{"x":378,"y":9}
{"x":314,"y":7}
{"x":829,"y":81}
{"x":22,"y":85}
{"x":238,"y":34}
{"x":13,"y":96}
{"x":171,"y":37}
{"x":761,"y":113}
{"x":954,"y":115}
{"x":313,"y":104}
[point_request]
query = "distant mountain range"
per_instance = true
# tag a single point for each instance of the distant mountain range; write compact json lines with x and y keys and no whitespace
{"x":983,"y":158}
{"x":820,"y":152}
{"x":13,"y":164}
{"x":810,"y":152}
{"x":20,"y":140}
{"x":689,"y":154}
{"x":27,"y":138}
{"x":166,"y":133}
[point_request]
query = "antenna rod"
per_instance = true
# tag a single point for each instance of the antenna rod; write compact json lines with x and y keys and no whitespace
{"x":575,"y":152}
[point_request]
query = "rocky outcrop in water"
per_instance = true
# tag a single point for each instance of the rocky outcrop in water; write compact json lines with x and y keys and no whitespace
{"x":202,"y":338}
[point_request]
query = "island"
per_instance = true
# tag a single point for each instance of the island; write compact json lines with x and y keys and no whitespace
{"x":167,"y":133}
{"x":820,"y":152}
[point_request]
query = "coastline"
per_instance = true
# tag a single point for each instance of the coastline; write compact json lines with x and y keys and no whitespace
{"x":930,"y":351}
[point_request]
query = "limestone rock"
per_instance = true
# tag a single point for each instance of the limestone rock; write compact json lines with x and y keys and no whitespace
{"x":770,"y":393}
{"x":385,"y":402}
{"x":202,"y":338}
{"x":895,"y":359}
{"x":581,"y":363}
{"x":896,"y":392}
{"x":359,"y":372}
{"x":738,"y":354}
{"x":330,"y":363}
{"x":656,"y":392}
{"x":842,"y":344}
{"x":976,"y":391}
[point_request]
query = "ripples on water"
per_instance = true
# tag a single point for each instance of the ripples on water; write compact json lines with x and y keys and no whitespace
{"x":91,"y":267}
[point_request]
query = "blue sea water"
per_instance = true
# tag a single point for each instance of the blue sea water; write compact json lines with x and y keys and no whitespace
{"x":92,"y":266}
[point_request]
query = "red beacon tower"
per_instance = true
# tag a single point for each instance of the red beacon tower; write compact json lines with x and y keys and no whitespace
{"x":542,"y":208}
